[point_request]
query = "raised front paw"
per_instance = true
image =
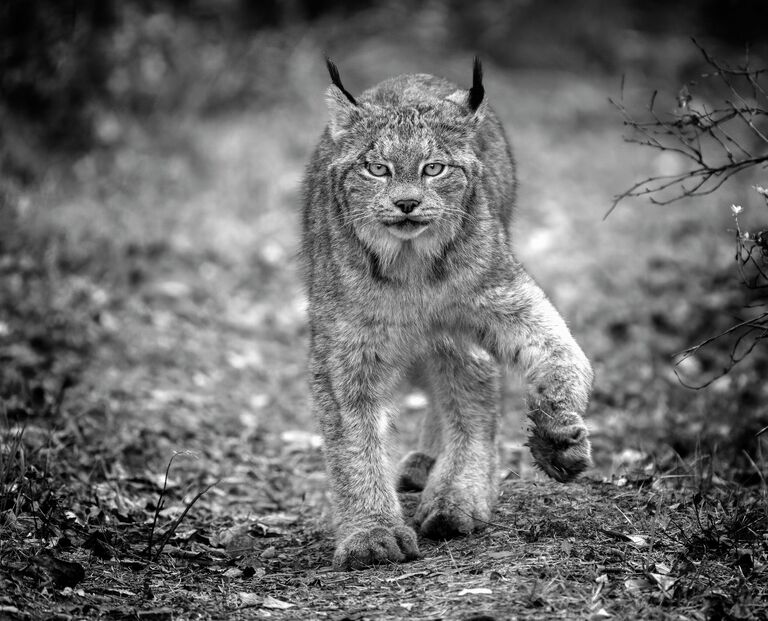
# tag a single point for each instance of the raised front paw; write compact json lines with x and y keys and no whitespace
{"x":373,"y":546}
{"x":561,"y":449}
{"x":452,"y":513}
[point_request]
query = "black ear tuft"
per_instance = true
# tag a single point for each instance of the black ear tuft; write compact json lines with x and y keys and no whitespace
{"x":336,"y":79}
{"x":477,"y":92}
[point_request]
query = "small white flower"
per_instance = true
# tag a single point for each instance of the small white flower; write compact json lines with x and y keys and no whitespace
{"x":736,"y":209}
{"x":761,"y":190}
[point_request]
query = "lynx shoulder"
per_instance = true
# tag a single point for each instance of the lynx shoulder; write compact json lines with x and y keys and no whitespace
{"x":408,"y":261}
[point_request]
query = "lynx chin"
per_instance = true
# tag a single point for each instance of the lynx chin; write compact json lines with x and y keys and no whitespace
{"x":408,"y":265}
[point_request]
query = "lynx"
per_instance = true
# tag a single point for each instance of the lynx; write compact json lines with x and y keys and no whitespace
{"x":408,"y":264}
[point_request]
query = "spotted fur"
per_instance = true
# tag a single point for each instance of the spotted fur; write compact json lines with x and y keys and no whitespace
{"x":438,"y":288}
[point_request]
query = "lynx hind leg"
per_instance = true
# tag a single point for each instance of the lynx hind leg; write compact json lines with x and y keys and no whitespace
{"x":414,"y":471}
{"x":415,"y":467}
{"x":461,"y":488}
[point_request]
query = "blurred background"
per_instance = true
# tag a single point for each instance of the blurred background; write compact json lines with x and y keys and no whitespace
{"x":151,"y":155}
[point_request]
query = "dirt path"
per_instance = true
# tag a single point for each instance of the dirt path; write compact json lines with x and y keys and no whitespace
{"x":190,"y":271}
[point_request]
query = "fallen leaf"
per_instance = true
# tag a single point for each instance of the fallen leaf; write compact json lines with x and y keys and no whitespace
{"x":156,"y":614}
{"x":665,"y":584}
{"x":636,"y":540}
{"x":601,"y":581}
{"x":501,"y":555}
{"x":280,"y":518}
{"x":249,"y":599}
{"x":270,"y":552}
{"x":637,"y":585}
{"x":242,"y":538}
{"x":408,"y":575}
{"x":233,"y":572}
{"x":11,"y":611}
{"x":476,"y":591}
{"x":275,"y":604}
{"x":118,"y":592}
{"x":72,"y":517}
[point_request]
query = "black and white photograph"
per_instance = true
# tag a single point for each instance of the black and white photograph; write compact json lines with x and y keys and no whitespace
{"x":320,"y":309}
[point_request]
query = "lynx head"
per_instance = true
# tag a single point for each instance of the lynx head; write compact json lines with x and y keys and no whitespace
{"x":404,"y":161}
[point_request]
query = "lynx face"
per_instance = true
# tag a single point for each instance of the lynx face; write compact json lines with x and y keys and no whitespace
{"x":406,"y":172}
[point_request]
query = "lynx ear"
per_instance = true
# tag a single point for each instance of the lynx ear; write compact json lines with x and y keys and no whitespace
{"x":341,"y":105}
{"x":473,"y":99}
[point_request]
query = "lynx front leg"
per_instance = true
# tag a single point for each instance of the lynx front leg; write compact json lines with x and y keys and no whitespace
{"x":461,"y":488}
{"x":351,"y":385}
{"x":522,"y":328}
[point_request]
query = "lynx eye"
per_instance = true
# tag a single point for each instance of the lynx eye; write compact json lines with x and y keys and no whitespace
{"x":433,"y":169}
{"x":376,"y":169}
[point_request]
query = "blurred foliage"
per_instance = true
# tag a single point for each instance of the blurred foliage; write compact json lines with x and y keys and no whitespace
{"x":604,"y":36}
{"x":53,"y":62}
{"x":61,"y":60}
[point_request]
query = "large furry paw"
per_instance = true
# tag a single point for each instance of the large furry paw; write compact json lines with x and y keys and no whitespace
{"x":374,"y":546}
{"x":454,"y":513}
{"x":563,"y":451}
{"x":414,"y":472}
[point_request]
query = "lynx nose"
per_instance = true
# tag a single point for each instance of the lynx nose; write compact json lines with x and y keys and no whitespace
{"x":407,"y":205}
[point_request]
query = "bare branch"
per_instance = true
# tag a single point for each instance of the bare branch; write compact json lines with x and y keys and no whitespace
{"x":717,"y":143}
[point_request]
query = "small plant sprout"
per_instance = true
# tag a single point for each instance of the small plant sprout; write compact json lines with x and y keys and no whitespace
{"x":154,"y":555}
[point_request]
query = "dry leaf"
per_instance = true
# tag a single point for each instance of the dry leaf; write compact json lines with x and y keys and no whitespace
{"x":233,"y":572}
{"x":408,"y":575}
{"x":637,"y":585}
{"x":501,"y":555}
{"x":249,"y":599}
{"x":275,"y":604}
{"x":638,"y":541}
{"x":665,"y":584}
{"x":270,"y":552}
{"x":280,"y":518}
{"x":477,"y":591}
{"x":11,"y":611}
